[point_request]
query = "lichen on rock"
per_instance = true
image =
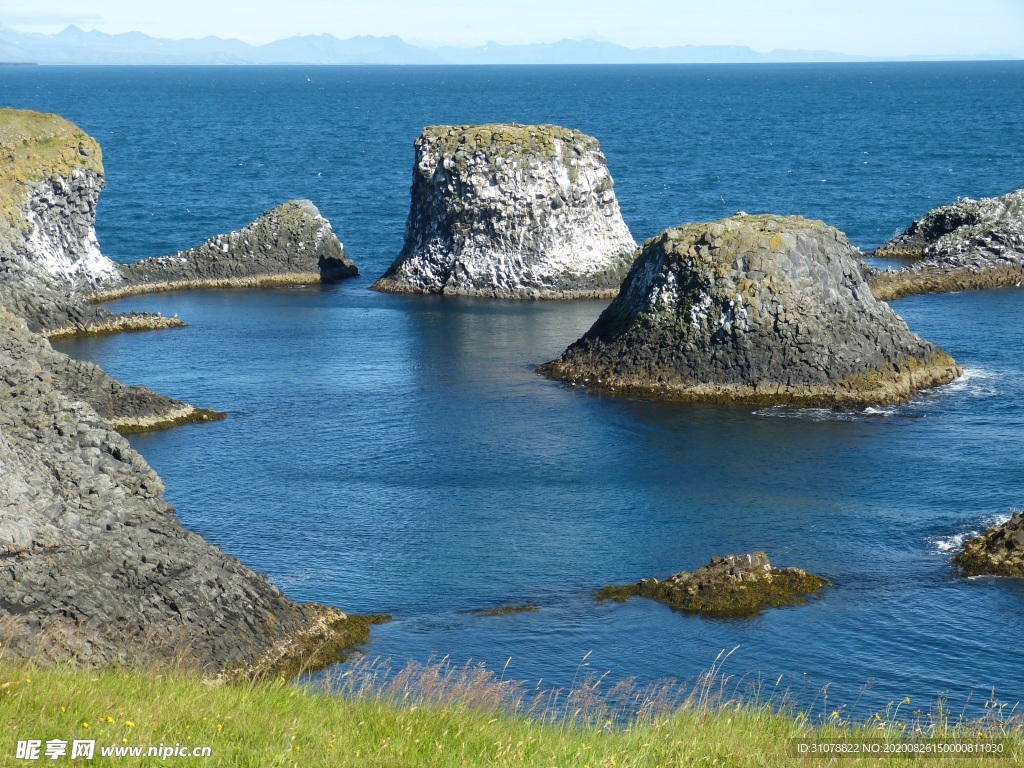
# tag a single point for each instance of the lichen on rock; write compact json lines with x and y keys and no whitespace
{"x":997,"y":552}
{"x":757,"y":309}
{"x":511,"y":211}
{"x":969,"y":244}
{"x":733,"y":585}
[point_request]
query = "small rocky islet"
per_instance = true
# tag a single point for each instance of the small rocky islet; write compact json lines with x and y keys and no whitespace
{"x":511,"y":211}
{"x":999,"y":551}
{"x":731,"y":585}
{"x":754,"y":309}
{"x":968,"y":244}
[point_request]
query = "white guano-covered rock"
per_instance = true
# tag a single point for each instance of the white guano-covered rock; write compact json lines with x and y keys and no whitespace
{"x":513,"y":212}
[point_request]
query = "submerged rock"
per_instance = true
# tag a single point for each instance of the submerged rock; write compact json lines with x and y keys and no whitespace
{"x":997,"y":552}
{"x":512,"y":212}
{"x":94,"y":565}
{"x":734,"y":585}
{"x":757,"y":309}
{"x":969,"y":244}
{"x":289,"y":244}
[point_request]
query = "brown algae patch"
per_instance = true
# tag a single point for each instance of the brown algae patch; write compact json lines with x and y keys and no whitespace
{"x":116,"y":324}
{"x":176,"y":418}
{"x":326,"y":638}
{"x":890,"y":285}
{"x":254,"y":281}
{"x":890,"y":385}
{"x":503,"y":610}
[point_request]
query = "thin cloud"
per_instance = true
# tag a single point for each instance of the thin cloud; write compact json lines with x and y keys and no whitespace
{"x":38,"y":19}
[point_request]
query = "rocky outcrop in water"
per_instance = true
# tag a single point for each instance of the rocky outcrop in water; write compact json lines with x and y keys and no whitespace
{"x":289,"y":244}
{"x":93,"y":564}
{"x":997,"y":552}
{"x":734,"y":585}
{"x":50,"y":181}
{"x":757,"y":309}
{"x":970,"y":244}
{"x":511,"y":212}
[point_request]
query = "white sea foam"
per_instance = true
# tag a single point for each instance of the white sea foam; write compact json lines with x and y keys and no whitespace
{"x":826,"y":414}
{"x":976,"y":382}
{"x":944,"y":544}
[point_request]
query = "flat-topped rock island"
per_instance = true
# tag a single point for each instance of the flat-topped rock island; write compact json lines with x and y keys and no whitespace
{"x":511,"y":211}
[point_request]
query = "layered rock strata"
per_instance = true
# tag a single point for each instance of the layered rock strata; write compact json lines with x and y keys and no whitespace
{"x":289,"y":244}
{"x":970,"y":244}
{"x":513,"y":212}
{"x":734,"y":585}
{"x":50,"y":181}
{"x":997,"y":552}
{"x":94,"y":566}
{"x":755,"y":309}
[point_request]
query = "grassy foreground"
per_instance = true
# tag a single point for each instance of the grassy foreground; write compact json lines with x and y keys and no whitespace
{"x":275,"y":723}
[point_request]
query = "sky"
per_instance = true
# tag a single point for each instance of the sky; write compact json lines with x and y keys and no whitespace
{"x":864,"y":27}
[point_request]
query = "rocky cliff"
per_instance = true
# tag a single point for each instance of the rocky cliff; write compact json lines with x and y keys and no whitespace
{"x":759,"y":309}
{"x":512,"y":212}
{"x":50,"y":181}
{"x":289,"y":244}
{"x":93,"y":564}
{"x":970,"y":244}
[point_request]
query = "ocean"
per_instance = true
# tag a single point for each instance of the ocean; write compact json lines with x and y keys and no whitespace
{"x":399,"y":454}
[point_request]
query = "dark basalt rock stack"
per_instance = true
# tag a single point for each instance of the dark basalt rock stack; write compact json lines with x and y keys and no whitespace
{"x":970,"y":244}
{"x":734,"y":585}
{"x":754,"y":309}
{"x":997,"y":552}
{"x":289,"y":244}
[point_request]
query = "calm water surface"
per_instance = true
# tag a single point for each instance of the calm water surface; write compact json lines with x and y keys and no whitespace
{"x":399,"y":454}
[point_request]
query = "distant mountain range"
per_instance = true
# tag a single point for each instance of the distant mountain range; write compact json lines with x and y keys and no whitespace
{"x":75,"y":46}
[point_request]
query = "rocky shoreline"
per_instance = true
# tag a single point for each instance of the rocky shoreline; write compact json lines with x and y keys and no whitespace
{"x":94,"y":566}
{"x":291,"y":244}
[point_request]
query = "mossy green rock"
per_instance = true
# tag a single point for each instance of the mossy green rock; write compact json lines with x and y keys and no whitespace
{"x":35,"y":147}
{"x":734,"y":585}
{"x":756,"y":309}
{"x":997,"y":552}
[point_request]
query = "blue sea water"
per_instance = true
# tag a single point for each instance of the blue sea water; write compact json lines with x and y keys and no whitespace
{"x":399,"y":454}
